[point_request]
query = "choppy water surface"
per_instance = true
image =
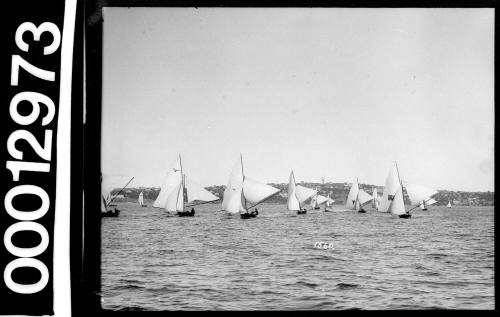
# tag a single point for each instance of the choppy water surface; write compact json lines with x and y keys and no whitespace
{"x":440,"y":258}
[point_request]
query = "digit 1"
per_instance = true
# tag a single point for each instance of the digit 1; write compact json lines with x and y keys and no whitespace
{"x":16,"y":167}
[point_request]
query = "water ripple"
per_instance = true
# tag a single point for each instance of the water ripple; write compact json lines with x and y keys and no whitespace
{"x":440,"y":259}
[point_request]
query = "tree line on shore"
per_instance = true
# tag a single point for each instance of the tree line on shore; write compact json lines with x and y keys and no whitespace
{"x":337,"y":191}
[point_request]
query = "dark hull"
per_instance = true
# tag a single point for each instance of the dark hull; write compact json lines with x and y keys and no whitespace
{"x":247,"y":215}
{"x":110,"y":213}
{"x":185,"y":214}
{"x":424,"y":209}
{"x":405,"y":216}
{"x":301,"y":212}
{"x":317,"y":208}
{"x":328,"y":210}
{"x":144,"y":205}
{"x":362,"y":211}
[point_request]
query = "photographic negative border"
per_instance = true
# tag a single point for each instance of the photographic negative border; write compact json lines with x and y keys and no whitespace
{"x":89,"y":284}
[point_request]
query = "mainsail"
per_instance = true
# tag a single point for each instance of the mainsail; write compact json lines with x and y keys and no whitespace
{"x":352,"y":196}
{"x":181,"y":190}
{"x":392,"y":185}
{"x":175,"y":201}
{"x":103,"y":204}
{"x":329,"y":201}
{"x":140,"y":200}
{"x":357,"y":197}
{"x":292,"y":201}
{"x":297,"y":194}
{"x":376,"y":199}
{"x":172,"y":181}
{"x":397,"y":205}
{"x":234,"y":200}
{"x":241,"y":191}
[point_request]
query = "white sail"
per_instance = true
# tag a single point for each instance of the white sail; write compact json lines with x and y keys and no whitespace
{"x":314,"y":203}
{"x":449,"y":204}
{"x":233,"y":188}
{"x":431,"y":201}
{"x":103,"y":206}
{"x":418,"y":193}
{"x":256,"y":192}
{"x":292,"y":201}
{"x":235,"y":201}
{"x":422,"y":205}
{"x":304,"y":193}
{"x":171,"y":182}
{"x":329,"y":201}
{"x":364,"y":197}
{"x":397,"y":205}
{"x":140,"y":200}
{"x":241,"y":191}
{"x":375,"y":198}
{"x":175,"y":201}
{"x":321,"y":199}
{"x":196,"y":192}
{"x":351,"y":197}
{"x":391,"y":186}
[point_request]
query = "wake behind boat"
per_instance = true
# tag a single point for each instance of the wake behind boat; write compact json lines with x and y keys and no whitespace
{"x":242,"y":191}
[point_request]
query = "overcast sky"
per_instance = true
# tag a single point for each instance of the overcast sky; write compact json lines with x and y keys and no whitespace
{"x":333,"y":93}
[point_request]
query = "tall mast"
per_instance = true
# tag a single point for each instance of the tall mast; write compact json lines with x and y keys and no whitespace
{"x":183,"y":187}
{"x":357,"y":196}
{"x":400,"y":184}
{"x":119,"y":191}
{"x":182,"y":183}
{"x":243,"y":176}
{"x":241,"y":160}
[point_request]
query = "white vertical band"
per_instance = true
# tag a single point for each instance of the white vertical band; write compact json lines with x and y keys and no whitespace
{"x":61,"y":270}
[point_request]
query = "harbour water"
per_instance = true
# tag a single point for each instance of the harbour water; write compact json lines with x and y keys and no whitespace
{"x":439,"y":259}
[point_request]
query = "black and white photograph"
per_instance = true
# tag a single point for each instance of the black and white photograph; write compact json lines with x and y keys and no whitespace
{"x":297,"y":159}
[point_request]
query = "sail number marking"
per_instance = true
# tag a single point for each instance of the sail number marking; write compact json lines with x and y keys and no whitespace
{"x":26,"y":219}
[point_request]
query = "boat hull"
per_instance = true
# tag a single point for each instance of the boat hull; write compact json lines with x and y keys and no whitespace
{"x":185,"y":214}
{"x":110,"y":213}
{"x":405,"y":216}
{"x":301,"y":212}
{"x":248,"y":215}
{"x":362,"y":211}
